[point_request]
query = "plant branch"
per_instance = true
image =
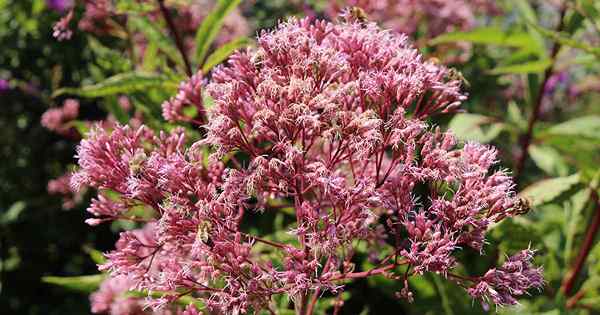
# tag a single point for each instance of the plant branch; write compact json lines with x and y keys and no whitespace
{"x":572,"y":302}
{"x":588,"y":242}
{"x":526,"y":140}
{"x":178,"y":41}
{"x":371,"y":272}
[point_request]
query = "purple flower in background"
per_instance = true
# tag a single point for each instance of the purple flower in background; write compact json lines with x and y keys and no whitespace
{"x":555,"y":81}
{"x":4,"y":86}
{"x":59,"y":5}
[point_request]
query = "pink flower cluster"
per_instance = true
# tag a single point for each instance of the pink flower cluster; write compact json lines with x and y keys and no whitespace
{"x":329,"y":120}
{"x":188,"y":96}
{"x":112,"y":298}
{"x":61,"y":186}
{"x":499,"y":286}
{"x":57,"y":119}
{"x":429,"y":17}
{"x":100,"y":17}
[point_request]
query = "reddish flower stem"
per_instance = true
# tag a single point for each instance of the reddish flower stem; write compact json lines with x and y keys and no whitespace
{"x":572,"y":302}
{"x":588,"y":242}
{"x":176,"y":36}
{"x":371,"y":272}
{"x":526,"y":140}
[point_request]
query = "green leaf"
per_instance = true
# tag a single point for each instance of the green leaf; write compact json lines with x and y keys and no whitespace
{"x":486,"y":36}
{"x":529,"y":16}
{"x":84,"y":284}
{"x":549,"y":160}
{"x":12,"y":214}
{"x":536,"y":66}
{"x":113,"y":107}
{"x":566,"y":39}
{"x":475,"y":127}
{"x":547,"y":190}
{"x":111,"y":60}
{"x":211,"y":26}
{"x":591,"y":11}
{"x":515,"y":116}
{"x":441,"y":288}
{"x":95,"y":255}
{"x":121,"y":83}
{"x":155,"y":36}
{"x":151,"y":60}
{"x":82,"y":127}
{"x":512,"y":235}
{"x":586,"y":126}
{"x":573,"y":217}
{"x":133,"y":6}
{"x":223,"y":52}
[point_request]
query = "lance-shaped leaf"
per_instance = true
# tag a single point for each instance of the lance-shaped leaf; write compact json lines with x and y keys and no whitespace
{"x":211,"y":26}
{"x":486,"y":36}
{"x":475,"y":127}
{"x":547,"y":190}
{"x":155,"y":36}
{"x":536,"y":66}
{"x":586,"y":126}
{"x":566,"y":40}
{"x":223,"y":52}
{"x":12,"y":213}
{"x":528,"y":13}
{"x":549,"y":160}
{"x":83,"y":284}
{"x":122,"y":83}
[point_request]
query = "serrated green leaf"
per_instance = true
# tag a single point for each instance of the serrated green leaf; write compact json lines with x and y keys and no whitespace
{"x":586,"y":126}
{"x":536,"y":66}
{"x":547,"y":190}
{"x":566,"y":39}
{"x":121,"y":83}
{"x":474,"y":127}
{"x":549,"y":160}
{"x":223,"y":52}
{"x":155,"y":36}
{"x":84,"y":284}
{"x":486,"y":36}
{"x":211,"y":26}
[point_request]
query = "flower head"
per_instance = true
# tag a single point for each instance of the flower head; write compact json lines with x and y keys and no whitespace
{"x":501,"y":285}
{"x":328,"y":120}
{"x":188,"y":97}
{"x":61,"y":30}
